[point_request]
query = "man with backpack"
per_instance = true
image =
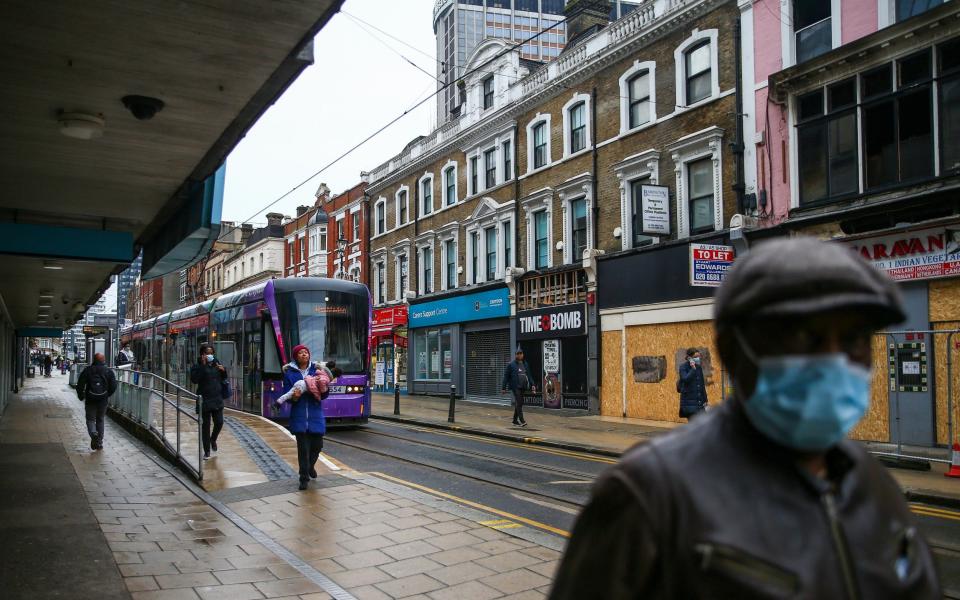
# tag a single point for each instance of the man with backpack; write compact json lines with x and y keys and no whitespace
{"x":95,"y":386}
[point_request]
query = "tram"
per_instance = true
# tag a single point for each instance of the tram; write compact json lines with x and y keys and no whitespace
{"x":253,"y":331}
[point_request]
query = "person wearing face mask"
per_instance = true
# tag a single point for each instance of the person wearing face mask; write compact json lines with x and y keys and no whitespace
{"x":765,"y":496}
{"x":208,"y":374}
{"x":693,"y":389}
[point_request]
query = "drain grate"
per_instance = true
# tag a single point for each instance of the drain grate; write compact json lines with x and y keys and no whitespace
{"x":272,"y":465}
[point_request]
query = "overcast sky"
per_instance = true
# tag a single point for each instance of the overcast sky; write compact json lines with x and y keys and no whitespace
{"x":355,"y":86}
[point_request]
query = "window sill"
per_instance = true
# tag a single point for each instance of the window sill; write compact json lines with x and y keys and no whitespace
{"x":576,"y":154}
{"x":488,"y":190}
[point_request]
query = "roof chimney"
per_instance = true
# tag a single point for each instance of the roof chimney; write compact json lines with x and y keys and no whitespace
{"x":246,"y":230}
{"x":274,"y":219}
{"x":582,"y":15}
{"x":301,"y":210}
{"x":323,"y":192}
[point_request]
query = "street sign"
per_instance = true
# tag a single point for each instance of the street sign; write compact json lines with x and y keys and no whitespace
{"x":655,"y":209}
{"x":709,"y":264}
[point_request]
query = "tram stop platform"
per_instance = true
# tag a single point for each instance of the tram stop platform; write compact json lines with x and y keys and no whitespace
{"x":609,"y":436}
{"x":124,"y":523}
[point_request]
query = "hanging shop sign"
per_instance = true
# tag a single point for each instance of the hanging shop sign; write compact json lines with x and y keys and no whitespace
{"x":655,"y":209}
{"x":709,"y":264}
{"x":552,"y":322}
{"x":914,"y":255}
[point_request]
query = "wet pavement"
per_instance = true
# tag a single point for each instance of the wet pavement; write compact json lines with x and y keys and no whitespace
{"x":352,"y":535}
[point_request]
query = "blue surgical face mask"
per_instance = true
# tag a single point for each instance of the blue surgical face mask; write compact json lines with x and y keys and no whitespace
{"x":210,"y":358}
{"x":808,"y":402}
{"x":696,"y":360}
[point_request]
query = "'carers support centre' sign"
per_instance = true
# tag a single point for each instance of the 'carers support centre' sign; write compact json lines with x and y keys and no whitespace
{"x":709,"y":264}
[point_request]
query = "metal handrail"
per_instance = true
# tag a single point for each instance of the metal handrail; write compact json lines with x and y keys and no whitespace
{"x":136,"y":389}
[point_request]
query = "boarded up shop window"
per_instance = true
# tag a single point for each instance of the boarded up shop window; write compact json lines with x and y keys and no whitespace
{"x":649,"y":369}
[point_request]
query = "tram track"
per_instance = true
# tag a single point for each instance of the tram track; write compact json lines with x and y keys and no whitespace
{"x":470,"y":474}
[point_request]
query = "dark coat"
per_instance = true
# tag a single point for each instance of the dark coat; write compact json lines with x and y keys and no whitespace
{"x":511,"y":377}
{"x":84,"y":380}
{"x":209,"y":381}
{"x":693,"y":390}
{"x":306,"y":412}
{"x":717,"y":510}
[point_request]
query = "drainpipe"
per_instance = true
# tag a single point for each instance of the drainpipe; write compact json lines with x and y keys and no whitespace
{"x":516,"y":195}
{"x":593,"y":317}
{"x":737,"y":144}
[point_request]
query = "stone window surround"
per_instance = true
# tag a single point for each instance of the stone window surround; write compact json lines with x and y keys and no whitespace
{"x":377,"y":257}
{"x":427,"y":239}
{"x":495,"y":143}
{"x":788,"y":45}
{"x":396,"y":202}
{"x":637,"y":67}
{"x":680,"y":66}
{"x":495,"y":215}
{"x":540,"y":200}
{"x":567,"y":133}
{"x":443,"y":183}
{"x":449,"y":232}
{"x":705,"y":143}
{"x":381,"y":204}
{"x":575,"y":188}
{"x":401,"y":248}
{"x":427,"y":176}
{"x":639,"y":166}
{"x":539,"y":118}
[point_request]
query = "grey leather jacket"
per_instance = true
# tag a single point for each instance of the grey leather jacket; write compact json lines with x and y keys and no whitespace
{"x":716,"y":510}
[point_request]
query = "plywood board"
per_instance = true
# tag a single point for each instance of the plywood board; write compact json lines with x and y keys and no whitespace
{"x":660,"y":401}
{"x":611,"y":365}
{"x":940,"y":376}
{"x":875,"y":425}
{"x":944,"y":297}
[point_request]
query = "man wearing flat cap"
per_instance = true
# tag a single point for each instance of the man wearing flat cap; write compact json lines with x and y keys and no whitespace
{"x":765,"y":497}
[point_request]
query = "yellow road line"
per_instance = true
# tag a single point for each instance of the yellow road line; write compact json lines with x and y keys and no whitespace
{"x":529,"y":444}
{"x":935,"y":515}
{"x":945,"y":511}
{"x":473,"y":504}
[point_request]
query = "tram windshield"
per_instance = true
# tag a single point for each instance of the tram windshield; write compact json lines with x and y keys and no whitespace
{"x":333,"y":325}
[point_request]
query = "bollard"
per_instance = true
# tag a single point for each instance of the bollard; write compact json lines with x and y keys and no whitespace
{"x":453,"y":400}
{"x":396,"y":399}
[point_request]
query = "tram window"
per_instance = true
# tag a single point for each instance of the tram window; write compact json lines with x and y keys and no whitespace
{"x":270,"y":356}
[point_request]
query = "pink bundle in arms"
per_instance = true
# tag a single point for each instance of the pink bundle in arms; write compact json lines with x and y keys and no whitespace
{"x":318,"y":384}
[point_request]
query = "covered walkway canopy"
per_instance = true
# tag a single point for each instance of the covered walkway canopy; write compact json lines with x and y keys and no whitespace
{"x":116,"y":121}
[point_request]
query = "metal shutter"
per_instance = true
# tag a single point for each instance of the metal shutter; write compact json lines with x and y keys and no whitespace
{"x":488,"y":353}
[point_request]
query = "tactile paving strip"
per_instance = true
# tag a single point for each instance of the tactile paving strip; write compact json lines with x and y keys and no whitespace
{"x":272,"y":465}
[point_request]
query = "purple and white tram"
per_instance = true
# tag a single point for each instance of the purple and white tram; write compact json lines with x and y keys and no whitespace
{"x":253,"y":331}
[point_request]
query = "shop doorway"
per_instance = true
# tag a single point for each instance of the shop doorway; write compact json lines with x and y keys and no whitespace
{"x":910,"y":360}
{"x":488,"y":353}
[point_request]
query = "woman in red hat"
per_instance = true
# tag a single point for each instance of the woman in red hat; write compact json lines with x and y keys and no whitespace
{"x":307,"y":422}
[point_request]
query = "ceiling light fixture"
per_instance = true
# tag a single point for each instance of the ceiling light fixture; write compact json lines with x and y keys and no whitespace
{"x":53,"y":266}
{"x":45,"y":305}
{"x":82,"y":126}
{"x":46,"y":295}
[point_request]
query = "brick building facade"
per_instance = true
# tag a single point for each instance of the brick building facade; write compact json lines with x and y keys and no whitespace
{"x":502,"y":216}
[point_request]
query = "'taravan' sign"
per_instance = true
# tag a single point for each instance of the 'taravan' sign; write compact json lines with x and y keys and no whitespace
{"x":911,"y":255}
{"x":552,"y":322}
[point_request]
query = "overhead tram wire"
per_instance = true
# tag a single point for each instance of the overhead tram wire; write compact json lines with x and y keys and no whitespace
{"x":361,"y":24}
{"x":400,"y":116}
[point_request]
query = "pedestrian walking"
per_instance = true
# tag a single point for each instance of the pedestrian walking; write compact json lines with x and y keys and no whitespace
{"x":517,"y":379}
{"x":47,"y":365}
{"x":764,"y":496}
{"x":94,"y":387}
{"x":210,"y":378}
{"x":123,"y":357}
{"x":307,"y":422}
{"x":692,"y":388}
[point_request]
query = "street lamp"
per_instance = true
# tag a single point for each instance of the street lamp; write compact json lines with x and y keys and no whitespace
{"x":341,"y":252}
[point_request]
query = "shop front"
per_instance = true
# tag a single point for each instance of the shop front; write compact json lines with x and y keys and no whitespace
{"x":554,"y":343}
{"x":915,"y":361}
{"x":388,"y":346}
{"x":657,"y":302}
{"x":462,"y":339}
